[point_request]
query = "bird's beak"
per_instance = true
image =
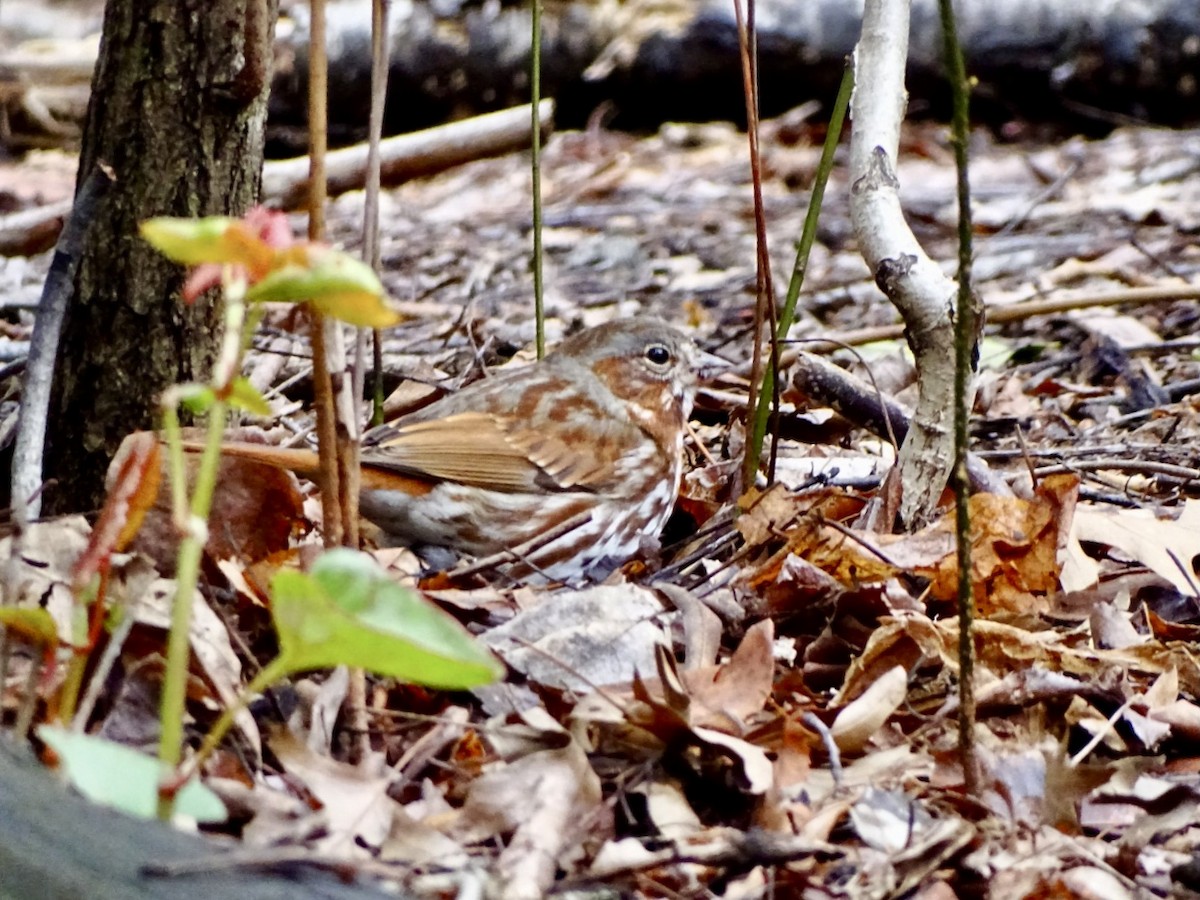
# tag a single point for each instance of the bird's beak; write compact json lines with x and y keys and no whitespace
{"x":709,"y":365}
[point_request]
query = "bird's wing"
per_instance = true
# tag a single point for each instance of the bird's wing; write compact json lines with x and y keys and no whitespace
{"x":488,"y":451}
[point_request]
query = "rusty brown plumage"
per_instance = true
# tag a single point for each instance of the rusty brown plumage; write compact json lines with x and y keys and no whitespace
{"x":593,"y":434}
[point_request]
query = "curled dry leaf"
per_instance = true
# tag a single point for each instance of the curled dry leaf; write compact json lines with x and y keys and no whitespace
{"x":865,"y":715}
{"x":753,"y":767}
{"x":668,"y":809}
{"x":132,"y":486}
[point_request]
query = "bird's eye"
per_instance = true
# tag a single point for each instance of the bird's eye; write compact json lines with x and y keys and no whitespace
{"x":658,"y":354}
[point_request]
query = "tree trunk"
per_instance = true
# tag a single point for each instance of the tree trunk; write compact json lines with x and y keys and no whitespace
{"x":177,"y":110}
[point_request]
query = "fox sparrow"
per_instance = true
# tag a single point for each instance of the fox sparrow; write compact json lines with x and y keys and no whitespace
{"x":564,"y":466}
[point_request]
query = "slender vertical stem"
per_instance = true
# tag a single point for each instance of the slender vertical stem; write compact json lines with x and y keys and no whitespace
{"x":355,"y":706}
{"x":318,"y":139}
{"x":318,"y":128}
{"x":192,"y":523}
{"x":371,"y":252}
{"x":965,"y":349}
{"x":535,"y":96}
{"x":764,"y":311}
{"x":808,"y":235}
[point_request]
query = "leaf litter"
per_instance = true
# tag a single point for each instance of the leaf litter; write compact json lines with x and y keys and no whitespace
{"x":767,"y":705}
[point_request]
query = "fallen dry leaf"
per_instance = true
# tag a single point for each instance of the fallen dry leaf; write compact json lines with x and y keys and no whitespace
{"x":354,"y":799}
{"x":866,"y":714}
{"x":1168,"y":547}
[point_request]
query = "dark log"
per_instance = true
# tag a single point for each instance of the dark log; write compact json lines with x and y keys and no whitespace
{"x":860,"y":403}
{"x":1073,"y":63}
{"x":57,"y":845}
{"x":1078,"y":65}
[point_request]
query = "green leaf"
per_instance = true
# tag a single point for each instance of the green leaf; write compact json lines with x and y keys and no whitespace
{"x":191,"y":241}
{"x":348,"y":612}
{"x":118,"y":776}
{"x":357,"y":308}
{"x":995,"y":353}
{"x":34,"y":623}
{"x":245,"y":396}
{"x":336,"y":283}
{"x":197,"y":398}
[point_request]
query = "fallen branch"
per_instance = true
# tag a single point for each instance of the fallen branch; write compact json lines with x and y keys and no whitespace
{"x":32,"y":231}
{"x":1017,"y":312}
{"x":285,"y":182}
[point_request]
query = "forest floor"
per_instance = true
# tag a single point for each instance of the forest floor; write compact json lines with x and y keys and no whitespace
{"x":800,"y":738}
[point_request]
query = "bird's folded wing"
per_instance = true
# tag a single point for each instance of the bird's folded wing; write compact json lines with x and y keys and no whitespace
{"x":488,"y":451}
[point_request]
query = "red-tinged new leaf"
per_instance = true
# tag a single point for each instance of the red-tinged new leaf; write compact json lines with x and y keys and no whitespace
{"x":338,"y":284}
{"x":217,"y":240}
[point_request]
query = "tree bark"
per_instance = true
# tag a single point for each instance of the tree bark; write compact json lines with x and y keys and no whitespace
{"x":177,"y":110}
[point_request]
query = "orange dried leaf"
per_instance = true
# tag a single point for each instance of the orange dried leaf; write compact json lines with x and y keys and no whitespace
{"x":133,"y":487}
{"x":1014,"y":555}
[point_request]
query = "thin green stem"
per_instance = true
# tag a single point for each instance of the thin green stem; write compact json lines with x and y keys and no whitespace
{"x":808,"y":235}
{"x":187,"y":576}
{"x":276,"y":670}
{"x":193,"y":524}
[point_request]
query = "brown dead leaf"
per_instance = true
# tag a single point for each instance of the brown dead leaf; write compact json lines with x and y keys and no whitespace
{"x":256,"y":510}
{"x":1164,"y":630}
{"x":767,"y":515}
{"x":547,"y":801}
{"x":725,"y":696}
{"x":902,"y":642}
{"x":791,"y":585}
{"x":354,"y":799}
{"x":1014,"y":554}
{"x":131,"y":485}
{"x":1014,"y":551}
